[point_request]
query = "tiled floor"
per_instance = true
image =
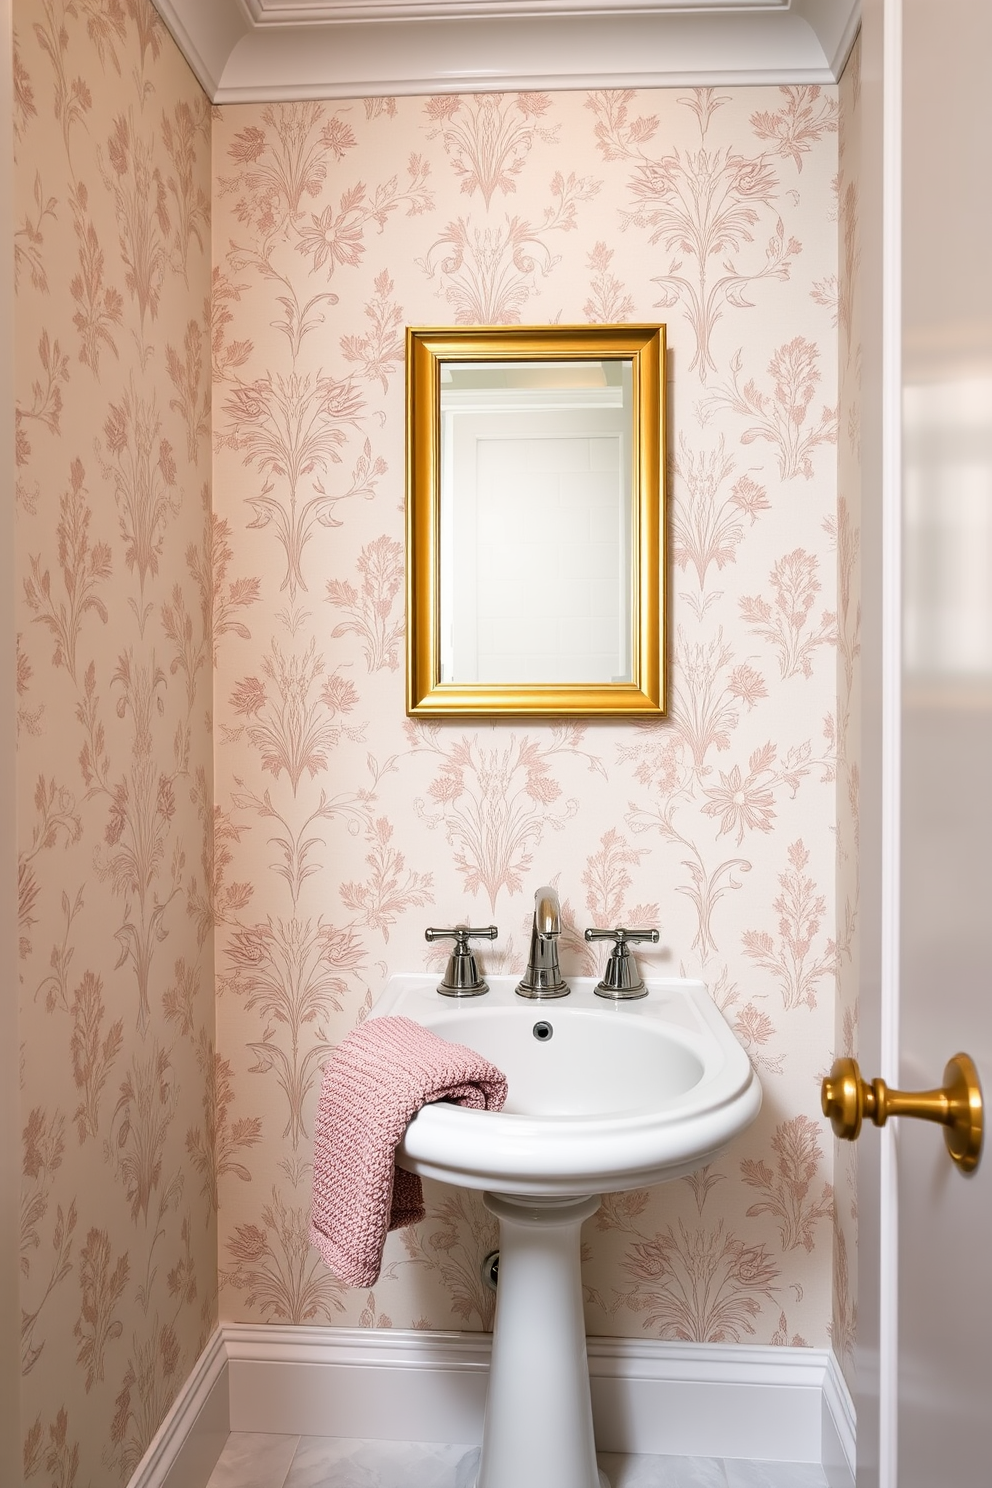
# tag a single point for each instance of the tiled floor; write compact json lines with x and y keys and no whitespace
{"x":252,"y":1460}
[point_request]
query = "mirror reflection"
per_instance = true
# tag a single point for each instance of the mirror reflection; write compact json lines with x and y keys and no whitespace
{"x":535,"y":523}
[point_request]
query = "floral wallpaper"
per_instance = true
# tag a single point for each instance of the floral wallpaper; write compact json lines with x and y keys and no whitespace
{"x":342,"y":829}
{"x":122,"y":1083}
{"x":217,"y":873}
{"x":844,"y":1322}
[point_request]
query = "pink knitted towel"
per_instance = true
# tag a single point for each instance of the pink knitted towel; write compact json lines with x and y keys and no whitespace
{"x":380,"y":1076}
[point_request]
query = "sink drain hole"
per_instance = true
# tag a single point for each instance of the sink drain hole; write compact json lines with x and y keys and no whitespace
{"x":543,"y":1031}
{"x":490,"y":1270}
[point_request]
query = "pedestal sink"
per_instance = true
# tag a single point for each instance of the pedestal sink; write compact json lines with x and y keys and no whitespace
{"x":603,"y":1096}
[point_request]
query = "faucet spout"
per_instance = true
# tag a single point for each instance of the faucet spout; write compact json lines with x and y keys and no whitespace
{"x":547,"y":912}
{"x":543,"y":975}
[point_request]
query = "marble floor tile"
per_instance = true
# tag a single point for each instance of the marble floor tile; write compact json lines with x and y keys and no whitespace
{"x":340,"y":1462}
{"x":252,"y":1459}
{"x":636,"y":1471}
{"x":742,"y":1474}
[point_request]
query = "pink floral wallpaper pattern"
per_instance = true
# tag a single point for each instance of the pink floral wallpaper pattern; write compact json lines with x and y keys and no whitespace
{"x":328,"y":829}
{"x":122,"y":1082}
{"x":342,"y":829}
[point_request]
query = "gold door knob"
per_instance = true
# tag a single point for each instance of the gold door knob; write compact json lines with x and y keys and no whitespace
{"x":847,"y":1098}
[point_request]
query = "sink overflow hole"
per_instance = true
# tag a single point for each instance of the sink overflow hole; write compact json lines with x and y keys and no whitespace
{"x":543,"y":1031}
{"x":490,"y":1270}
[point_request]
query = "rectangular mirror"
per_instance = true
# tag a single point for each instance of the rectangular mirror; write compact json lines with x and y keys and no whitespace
{"x":535,"y":520}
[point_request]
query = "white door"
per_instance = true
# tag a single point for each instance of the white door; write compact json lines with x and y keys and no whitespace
{"x":927,"y":1309}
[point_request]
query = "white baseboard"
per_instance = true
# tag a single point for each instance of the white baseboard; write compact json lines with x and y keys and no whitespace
{"x":840,"y":1427}
{"x":705,"y":1400}
{"x":184,"y":1450}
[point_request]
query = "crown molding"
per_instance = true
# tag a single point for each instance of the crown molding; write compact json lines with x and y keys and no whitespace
{"x":245,"y":51}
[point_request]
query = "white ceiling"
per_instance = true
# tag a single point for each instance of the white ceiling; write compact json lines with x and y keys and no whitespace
{"x":247,"y":50}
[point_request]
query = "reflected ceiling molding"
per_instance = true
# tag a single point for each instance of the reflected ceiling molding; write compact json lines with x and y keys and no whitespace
{"x":246,"y":51}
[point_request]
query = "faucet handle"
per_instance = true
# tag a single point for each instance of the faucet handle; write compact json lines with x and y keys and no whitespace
{"x":620,"y":935}
{"x":622,"y":978}
{"x":461,"y":977}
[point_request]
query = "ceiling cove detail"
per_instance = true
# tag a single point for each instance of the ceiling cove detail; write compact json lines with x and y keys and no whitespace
{"x":245,"y":51}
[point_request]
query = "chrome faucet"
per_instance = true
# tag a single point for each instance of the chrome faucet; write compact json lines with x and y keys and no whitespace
{"x":543,"y":975}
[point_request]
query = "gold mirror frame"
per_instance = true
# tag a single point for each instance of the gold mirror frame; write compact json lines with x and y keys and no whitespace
{"x":427,"y":348}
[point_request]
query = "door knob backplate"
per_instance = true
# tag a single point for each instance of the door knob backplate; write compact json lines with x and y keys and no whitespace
{"x":847,"y":1099}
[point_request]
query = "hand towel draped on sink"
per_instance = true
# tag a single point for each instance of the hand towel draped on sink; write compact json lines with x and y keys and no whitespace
{"x":378,"y":1079}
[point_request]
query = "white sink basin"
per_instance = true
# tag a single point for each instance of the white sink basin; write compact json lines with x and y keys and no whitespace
{"x":620,"y":1095}
{"x":602,"y":1095}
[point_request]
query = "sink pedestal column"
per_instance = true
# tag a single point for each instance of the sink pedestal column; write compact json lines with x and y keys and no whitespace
{"x":538,"y":1431}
